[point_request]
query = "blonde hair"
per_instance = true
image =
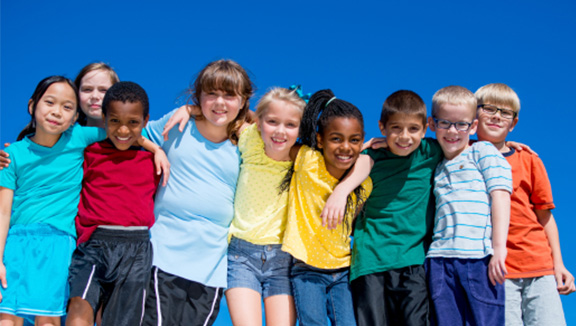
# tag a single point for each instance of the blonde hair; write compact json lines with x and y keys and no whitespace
{"x":456,"y":95}
{"x":279,"y":94}
{"x":498,"y":94}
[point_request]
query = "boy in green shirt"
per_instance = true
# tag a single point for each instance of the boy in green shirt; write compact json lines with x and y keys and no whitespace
{"x":391,"y":237}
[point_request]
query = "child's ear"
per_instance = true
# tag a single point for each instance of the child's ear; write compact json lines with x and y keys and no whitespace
{"x":319,"y":140}
{"x":75,"y":118}
{"x":473,"y":127}
{"x":30,"y":105}
{"x":513,"y":124}
{"x":146,"y":119}
{"x":382,"y":129}
{"x":431,"y":124}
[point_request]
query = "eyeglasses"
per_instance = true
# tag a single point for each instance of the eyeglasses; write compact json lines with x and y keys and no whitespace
{"x":491,"y":110}
{"x":445,"y":124}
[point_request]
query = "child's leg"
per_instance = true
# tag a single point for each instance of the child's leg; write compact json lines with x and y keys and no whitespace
{"x":340,"y":306}
{"x":368,"y":297}
{"x":47,"y":321}
{"x":446,"y":294}
{"x":309,"y":287}
{"x":11,"y":320}
{"x":513,"y":305}
{"x":280,"y":310}
{"x":541,"y":304}
{"x":407,"y":296}
{"x":245,"y":306}
{"x":485,"y":301}
{"x":80,"y":313}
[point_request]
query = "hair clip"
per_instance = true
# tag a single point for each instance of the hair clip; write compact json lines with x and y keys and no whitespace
{"x":298,"y":90}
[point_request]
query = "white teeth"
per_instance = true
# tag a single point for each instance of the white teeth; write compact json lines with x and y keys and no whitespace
{"x":340,"y":157}
{"x":277,"y":140}
{"x":123,"y":138}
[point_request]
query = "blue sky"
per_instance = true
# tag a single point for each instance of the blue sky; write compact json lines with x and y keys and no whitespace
{"x":362,"y":50}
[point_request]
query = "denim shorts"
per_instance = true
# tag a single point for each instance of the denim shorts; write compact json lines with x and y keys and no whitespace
{"x":262,"y":268}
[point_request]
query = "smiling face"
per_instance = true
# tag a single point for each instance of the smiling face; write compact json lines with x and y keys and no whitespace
{"x":55,"y":113}
{"x":220,"y":108}
{"x":124,"y":122}
{"x":93,"y":87}
{"x":452,"y":141}
{"x":494,"y":128}
{"x":404,"y":133}
{"x":341,"y":142}
{"x":279,"y":129}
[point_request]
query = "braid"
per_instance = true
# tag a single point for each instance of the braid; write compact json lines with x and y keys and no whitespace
{"x":312,"y":115}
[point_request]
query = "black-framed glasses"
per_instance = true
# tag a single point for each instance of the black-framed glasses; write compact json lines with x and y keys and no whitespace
{"x":492,"y":109}
{"x":445,"y":124}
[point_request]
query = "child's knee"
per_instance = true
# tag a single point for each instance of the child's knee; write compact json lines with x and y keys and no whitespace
{"x":80,"y":312}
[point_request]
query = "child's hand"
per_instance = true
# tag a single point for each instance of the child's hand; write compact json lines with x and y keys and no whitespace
{"x":565,"y":280}
{"x":334,"y":210}
{"x":3,"y":278}
{"x":520,"y":147}
{"x":4,"y":160}
{"x":497,"y":267}
{"x":180,"y":118}
{"x":162,"y":165}
{"x":375,"y":143}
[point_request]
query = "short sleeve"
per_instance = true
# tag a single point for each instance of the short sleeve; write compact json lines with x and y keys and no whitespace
{"x":493,"y":167}
{"x":541,"y":195}
{"x":154,"y":129}
{"x":8,"y":174}
{"x":89,"y":135}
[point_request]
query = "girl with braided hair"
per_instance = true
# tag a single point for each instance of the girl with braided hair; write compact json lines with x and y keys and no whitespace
{"x":331,"y":136}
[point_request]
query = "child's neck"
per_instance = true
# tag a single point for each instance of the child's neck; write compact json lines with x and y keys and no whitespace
{"x":46,"y":140}
{"x":215,"y":134}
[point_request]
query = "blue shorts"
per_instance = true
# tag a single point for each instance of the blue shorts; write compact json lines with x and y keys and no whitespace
{"x":262,"y":268}
{"x":462,"y":294}
{"x":36,"y":257}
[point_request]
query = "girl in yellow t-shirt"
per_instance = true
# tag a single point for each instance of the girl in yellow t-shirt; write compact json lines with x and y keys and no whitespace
{"x":332,"y":133}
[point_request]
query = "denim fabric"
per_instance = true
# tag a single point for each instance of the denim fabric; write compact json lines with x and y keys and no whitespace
{"x":462,"y":294}
{"x":321,"y":295}
{"x":262,"y":268}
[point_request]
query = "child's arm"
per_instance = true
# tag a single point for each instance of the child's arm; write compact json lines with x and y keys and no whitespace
{"x":4,"y":160}
{"x":160,"y":159}
{"x":180,"y":118}
{"x":6,"y":196}
{"x":335,"y":208}
{"x":564,"y":279}
{"x":520,"y":147}
{"x":500,"y":222}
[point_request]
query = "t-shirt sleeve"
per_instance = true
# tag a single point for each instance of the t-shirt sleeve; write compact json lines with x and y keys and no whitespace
{"x":89,"y":135}
{"x":8,"y":174}
{"x":154,"y":128}
{"x":494,"y":167}
{"x":541,"y":195}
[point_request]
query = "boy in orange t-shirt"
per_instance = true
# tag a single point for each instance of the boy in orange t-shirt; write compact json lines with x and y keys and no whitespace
{"x":535,"y":270}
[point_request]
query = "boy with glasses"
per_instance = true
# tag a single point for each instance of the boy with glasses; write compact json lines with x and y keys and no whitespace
{"x":465,"y":264}
{"x":536,"y":273}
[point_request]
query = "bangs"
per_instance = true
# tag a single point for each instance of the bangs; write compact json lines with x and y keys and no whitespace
{"x":500,"y":100}
{"x":227,"y":80}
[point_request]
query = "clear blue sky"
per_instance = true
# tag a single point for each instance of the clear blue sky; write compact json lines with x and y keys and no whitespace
{"x":362,"y":50}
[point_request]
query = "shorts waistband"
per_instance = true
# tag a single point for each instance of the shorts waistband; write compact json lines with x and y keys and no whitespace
{"x":121,"y":234}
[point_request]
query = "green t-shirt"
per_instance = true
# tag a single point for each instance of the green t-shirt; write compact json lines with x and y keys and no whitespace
{"x":396,"y":227}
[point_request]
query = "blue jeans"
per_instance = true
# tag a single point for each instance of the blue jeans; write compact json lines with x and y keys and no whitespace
{"x":322,"y":294}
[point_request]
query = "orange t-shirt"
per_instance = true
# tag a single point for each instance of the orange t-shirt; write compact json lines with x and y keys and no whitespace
{"x":529,"y":253}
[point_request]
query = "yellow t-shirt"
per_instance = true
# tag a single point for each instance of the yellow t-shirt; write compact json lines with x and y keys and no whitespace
{"x":305,"y":238}
{"x":259,"y":208}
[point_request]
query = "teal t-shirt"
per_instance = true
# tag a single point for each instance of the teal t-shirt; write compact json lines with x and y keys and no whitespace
{"x":396,"y":227}
{"x":47,"y":180}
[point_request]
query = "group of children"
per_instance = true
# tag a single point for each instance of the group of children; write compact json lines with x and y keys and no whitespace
{"x":261,"y":206}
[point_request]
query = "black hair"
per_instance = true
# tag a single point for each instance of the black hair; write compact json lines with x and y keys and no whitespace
{"x":322,"y":108}
{"x":37,"y":95}
{"x":126,"y":91}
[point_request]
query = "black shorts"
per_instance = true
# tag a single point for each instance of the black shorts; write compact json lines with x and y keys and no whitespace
{"x":395,"y":297}
{"x":112,"y":271}
{"x":175,"y":301}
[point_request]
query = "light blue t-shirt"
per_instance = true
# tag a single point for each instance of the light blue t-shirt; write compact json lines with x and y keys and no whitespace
{"x":47,"y":180}
{"x":194,"y":211}
{"x":462,"y":186}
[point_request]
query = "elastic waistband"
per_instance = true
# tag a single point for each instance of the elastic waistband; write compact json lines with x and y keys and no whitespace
{"x":121,"y":234}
